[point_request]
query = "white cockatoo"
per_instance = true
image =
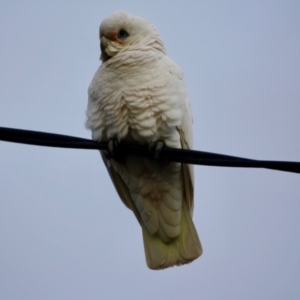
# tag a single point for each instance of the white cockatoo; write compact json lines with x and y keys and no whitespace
{"x":138,"y":95}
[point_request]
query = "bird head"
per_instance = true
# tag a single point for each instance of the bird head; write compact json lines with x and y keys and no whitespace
{"x":120,"y":30}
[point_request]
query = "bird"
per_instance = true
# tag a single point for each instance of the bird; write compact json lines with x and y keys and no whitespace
{"x":138,"y":95}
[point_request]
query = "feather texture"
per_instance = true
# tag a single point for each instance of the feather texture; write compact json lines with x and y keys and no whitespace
{"x":138,"y":95}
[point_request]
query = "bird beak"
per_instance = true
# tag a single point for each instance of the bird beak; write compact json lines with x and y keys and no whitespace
{"x":103,"y":43}
{"x":105,"y":39}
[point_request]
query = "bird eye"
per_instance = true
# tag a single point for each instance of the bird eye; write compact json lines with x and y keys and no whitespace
{"x":123,"y":34}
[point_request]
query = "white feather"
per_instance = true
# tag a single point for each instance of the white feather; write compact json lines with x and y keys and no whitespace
{"x":138,"y":94}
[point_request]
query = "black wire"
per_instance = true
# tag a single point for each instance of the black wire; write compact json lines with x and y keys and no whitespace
{"x":167,"y":154}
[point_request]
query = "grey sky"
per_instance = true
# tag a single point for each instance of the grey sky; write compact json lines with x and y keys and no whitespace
{"x":64,"y":234}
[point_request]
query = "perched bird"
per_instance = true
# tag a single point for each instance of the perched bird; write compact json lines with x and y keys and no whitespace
{"x":138,"y":95}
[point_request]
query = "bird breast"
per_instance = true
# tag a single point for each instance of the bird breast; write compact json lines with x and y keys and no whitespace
{"x":138,"y":99}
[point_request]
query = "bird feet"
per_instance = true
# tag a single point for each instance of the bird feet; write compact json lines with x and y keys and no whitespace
{"x":155,"y":150}
{"x":114,"y":151}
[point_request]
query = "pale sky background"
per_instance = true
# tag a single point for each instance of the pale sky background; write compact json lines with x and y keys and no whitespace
{"x":64,"y":234}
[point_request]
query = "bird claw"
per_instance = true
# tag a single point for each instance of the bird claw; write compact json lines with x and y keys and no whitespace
{"x":114,"y":151}
{"x":155,"y":150}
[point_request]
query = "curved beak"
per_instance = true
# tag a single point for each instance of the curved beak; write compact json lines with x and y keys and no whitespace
{"x":103,"y":43}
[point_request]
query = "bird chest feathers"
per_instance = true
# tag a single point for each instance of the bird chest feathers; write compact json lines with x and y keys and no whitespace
{"x":136,"y":98}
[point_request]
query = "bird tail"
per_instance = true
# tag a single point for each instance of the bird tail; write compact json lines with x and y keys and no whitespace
{"x":181,"y":250}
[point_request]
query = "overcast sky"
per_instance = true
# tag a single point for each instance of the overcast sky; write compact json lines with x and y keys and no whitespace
{"x":64,"y":234}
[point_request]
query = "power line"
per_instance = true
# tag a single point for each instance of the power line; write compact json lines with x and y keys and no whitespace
{"x":167,"y":154}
